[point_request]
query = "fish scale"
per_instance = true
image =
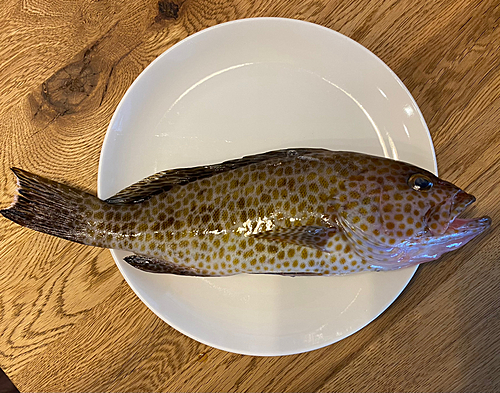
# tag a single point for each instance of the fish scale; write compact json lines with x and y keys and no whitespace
{"x":210,"y":225}
{"x":295,"y":211}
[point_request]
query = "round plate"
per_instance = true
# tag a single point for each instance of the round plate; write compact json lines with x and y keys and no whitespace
{"x":246,"y":87}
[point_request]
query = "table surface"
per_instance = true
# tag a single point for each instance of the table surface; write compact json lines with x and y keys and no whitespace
{"x":68,"y":320}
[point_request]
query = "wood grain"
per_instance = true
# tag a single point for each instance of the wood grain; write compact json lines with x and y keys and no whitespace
{"x":69,"y":322}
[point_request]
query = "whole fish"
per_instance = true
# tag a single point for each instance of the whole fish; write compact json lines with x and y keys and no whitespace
{"x":291,"y":212}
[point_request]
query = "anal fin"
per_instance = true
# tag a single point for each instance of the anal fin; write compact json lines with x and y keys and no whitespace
{"x":155,"y":265}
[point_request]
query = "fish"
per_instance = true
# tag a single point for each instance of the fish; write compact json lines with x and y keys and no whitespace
{"x":293,"y":212}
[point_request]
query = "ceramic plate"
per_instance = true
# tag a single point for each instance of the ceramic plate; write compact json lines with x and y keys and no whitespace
{"x":246,"y":87}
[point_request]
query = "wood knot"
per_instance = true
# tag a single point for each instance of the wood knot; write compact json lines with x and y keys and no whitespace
{"x":167,"y":10}
{"x":202,"y":357}
{"x":67,"y":88}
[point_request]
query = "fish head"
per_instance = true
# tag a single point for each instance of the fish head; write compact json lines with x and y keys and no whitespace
{"x":406,"y":215}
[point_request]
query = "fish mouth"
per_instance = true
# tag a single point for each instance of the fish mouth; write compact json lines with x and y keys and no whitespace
{"x":460,"y":202}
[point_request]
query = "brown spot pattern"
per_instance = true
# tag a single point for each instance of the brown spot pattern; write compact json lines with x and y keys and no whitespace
{"x":214,"y":225}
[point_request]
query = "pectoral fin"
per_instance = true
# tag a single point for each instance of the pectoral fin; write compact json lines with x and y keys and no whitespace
{"x":308,"y":236}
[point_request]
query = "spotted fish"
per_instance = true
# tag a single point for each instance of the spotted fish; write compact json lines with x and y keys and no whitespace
{"x":291,"y":212}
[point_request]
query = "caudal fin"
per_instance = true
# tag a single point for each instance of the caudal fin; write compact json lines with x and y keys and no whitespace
{"x":50,"y":207}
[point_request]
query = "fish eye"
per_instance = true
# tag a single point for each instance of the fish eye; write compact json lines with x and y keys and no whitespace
{"x":420,"y":182}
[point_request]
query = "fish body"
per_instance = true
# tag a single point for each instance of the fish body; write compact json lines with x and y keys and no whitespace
{"x":292,"y":212}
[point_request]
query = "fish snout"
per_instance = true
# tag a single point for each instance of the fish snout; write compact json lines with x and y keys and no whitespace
{"x":461,"y":200}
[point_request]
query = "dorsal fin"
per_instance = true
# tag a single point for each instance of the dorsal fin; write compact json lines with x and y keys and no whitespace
{"x":165,"y":180}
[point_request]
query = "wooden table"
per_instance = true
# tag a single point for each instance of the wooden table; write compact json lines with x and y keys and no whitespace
{"x":68,"y":320}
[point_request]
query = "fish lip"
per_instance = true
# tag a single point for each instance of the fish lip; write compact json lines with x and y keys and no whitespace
{"x":459,"y":204}
{"x":470,"y":224}
{"x":461,"y":201}
{"x":461,"y":197}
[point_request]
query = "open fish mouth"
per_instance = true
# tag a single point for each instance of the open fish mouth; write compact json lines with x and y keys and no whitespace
{"x":460,"y":226}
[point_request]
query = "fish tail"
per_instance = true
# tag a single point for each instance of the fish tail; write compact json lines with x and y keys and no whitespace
{"x":50,"y":207}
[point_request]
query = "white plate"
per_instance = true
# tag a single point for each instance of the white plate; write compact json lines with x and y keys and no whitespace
{"x":251,"y":86}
